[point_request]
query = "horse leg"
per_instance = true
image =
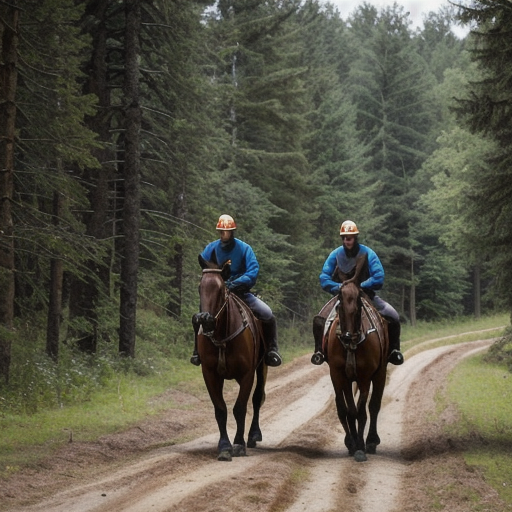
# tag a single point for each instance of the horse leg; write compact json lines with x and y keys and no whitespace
{"x":224,"y":447}
{"x":240,"y":413}
{"x":215,"y":385}
{"x":373,"y":439}
{"x":362,"y":417}
{"x":352,"y":416}
{"x":258,"y":398}
{"x":341,"y":408}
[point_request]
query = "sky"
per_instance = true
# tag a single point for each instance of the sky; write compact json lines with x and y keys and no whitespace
{"x":416,"y":8}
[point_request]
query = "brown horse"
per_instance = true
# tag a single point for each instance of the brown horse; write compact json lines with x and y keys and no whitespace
{"x":356,"y":353}
{"x":230,"y":345}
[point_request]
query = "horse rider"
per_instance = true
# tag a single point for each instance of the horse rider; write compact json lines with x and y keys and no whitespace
{"x":244,"y":271}
{"x":344,"y":259}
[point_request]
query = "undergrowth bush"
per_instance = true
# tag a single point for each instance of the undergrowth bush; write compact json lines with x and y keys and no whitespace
{"x":501,"y":350}
{"x":162,"y":344}
{"x":37,"y":382}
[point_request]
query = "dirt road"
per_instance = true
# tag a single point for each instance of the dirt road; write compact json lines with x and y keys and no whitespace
{"x":301,"y":465}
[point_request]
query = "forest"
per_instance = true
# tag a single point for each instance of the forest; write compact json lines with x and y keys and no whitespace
{"x":128,"y":126}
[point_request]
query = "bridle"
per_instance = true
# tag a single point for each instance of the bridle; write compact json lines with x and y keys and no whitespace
{"x":225,"y":308}
{"x":350,"y":340}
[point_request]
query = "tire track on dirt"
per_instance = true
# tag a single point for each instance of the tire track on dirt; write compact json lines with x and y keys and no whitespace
{"x":162,"y":488}
{"x":376,"y":484}
{"x":301,"y":465}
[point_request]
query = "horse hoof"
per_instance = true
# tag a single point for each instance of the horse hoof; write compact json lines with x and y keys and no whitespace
{"x":371,"y":449}
{"x":360,"y":456}
{"x":225,"y":455}
{"x":253,"y":439}
{"x":239,"y":450}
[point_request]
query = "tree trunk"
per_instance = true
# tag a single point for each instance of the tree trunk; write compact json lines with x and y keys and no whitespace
{"x":412,"y":303}
{"x":175,"y":304}
{"x":56,"y":278}
{"x":477,"y":298}
{"x":131,"y":210}
{"x":8,"y":81}
{"x":85,"y":294}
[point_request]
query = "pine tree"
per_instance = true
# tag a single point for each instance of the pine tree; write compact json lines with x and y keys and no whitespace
{"x":265,"y":105}
{"x":390,"y":84}
{"x":9,"y":18}
{"x":486,"y":110}
{"x":183,"y":145}
{"x":54,"y":145}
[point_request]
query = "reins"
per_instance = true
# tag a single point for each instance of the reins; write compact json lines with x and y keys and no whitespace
{"x":350,"y":341}
{"x":225,"y":307}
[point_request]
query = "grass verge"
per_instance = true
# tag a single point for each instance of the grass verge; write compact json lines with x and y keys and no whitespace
{"x":122,"y":402}
{"x":123,"y":395}
{"x":485,"y":409}
{"x":430,"y":335}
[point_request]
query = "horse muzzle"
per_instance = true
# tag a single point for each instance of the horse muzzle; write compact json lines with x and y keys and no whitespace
{"x":206,"y":321}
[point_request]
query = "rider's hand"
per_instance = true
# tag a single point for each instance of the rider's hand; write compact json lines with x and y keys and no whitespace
{"x":231,"y":286}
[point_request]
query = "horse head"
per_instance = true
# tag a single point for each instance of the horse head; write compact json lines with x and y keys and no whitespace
{"x":212,"y":294}
{"x":349,"y":308}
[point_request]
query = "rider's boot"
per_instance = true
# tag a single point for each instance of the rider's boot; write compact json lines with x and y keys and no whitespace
{"x":395,"y":356}
{"x":195,"y":360}
{"x":272,"y":356}
{"x":318,"y":333}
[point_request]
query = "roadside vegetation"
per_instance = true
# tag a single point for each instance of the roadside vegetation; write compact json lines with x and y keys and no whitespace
{"x":47,"y":407}
{"x":484,"y":426}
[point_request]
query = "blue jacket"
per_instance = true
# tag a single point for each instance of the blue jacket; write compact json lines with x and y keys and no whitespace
{"x":346,"y":264}
{"x":244,"y":265}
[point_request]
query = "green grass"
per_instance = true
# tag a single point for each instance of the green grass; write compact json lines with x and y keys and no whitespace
{"x":91,"y":399}
{"x":88,"y":398}
{"x":426,"y":335}
{"x":485,"y":408}
{"x":123,"y":401}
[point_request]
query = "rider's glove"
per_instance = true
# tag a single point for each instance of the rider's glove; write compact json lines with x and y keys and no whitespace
{"x":337,"y":289}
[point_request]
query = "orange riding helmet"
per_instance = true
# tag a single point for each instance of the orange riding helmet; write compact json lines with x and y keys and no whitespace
{"x":226,"y":223}
{"x":348,"y":228}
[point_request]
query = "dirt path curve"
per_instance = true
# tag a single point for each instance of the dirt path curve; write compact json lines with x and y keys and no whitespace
{"x":301,"y":465}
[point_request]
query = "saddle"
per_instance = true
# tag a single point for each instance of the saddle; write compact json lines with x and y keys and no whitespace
{"x":247,"y":317}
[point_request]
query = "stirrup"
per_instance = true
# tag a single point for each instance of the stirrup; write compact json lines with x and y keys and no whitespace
{"x":195,"y":360}
{"x":272,"y":358}
{"x":396,"y":357}
{"x":318,"y":358}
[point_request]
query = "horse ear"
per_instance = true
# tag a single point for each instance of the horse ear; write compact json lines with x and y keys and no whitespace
{"x":202,"y":262}
{"x":226,"y":270}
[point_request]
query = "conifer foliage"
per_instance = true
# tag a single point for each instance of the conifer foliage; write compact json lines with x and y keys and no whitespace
{"x":129,"y":126}
{"x":486,"y":109}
